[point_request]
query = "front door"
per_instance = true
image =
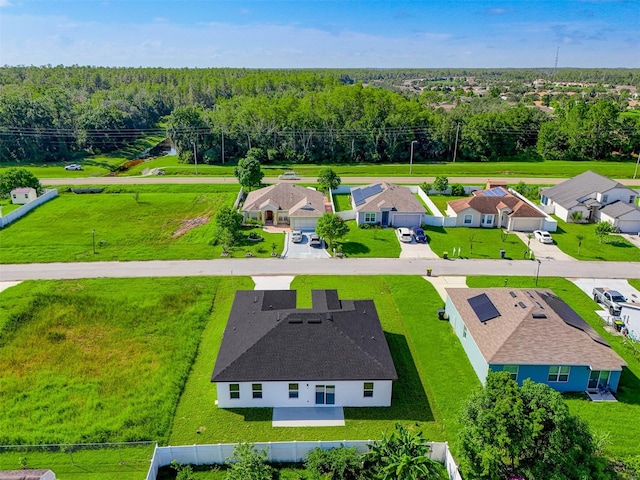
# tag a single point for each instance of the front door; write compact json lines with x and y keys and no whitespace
{"x":598,"y":379}
{"x":269,"y":215}
{"x":325,"y":394}
{"x":385,"y":219}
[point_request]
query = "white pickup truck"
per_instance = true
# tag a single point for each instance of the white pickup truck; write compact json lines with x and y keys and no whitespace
{"x":609,"y":298}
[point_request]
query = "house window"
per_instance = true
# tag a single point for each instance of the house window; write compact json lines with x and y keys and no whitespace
{"x":368,"y":389}
{"x":605,"y":198}
{"x":293,"y":390}
{"x":513,"y":371}
{"x":558,"y":373}
{"x":632,"y":199}
{"x":468,"y":218}
{"x":464,"y":332}
{"x":26,"y":195}
{"x":256,"y":389}
{"x":370,"y":217}
{"x":234,"y":391}
{"x":487,"y":220}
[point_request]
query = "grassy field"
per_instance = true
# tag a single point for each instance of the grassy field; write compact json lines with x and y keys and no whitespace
{"x":97,"y":360}
{"x":614,"y":419}
{"x":435,"y":375}
{"x":7,"y":207}
{"x":441,"y":201}
{"x":369,"y":242}
{"x":613,"y":247}
{"x":562,"y":169}
{"x":116,"y":462}
{"x":341,"y":202}
{"x":139,"y":223}
{"x":475,"y":242}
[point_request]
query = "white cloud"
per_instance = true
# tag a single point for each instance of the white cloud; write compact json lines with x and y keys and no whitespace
{"x":5,"y":3}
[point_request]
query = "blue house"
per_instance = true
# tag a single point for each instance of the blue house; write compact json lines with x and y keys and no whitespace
{"x":532,"y":334}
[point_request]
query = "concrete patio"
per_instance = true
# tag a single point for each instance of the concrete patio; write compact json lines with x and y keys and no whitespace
{"x":308,"y":417}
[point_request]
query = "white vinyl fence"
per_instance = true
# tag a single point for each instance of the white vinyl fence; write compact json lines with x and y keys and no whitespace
{"x":26,"y":208}
{"x":277,"y":452}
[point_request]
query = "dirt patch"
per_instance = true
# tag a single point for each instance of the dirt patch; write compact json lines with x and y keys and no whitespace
{"x":190,"y":224}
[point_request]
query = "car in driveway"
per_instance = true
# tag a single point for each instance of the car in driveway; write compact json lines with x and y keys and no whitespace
{"x":542,"y":236}
{"x":419,"y":234}
{"x":315,"y":240}
{"x":288,"y":176}
{"x":404,"y":235}
{"x":73,"y":166}
{"x":296,"y":236}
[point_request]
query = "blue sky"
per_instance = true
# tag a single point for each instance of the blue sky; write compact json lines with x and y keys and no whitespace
{"x":301,"y":34}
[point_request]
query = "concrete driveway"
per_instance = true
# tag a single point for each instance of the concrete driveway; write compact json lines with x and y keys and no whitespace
{"x":416,"y":250}
{"x":588,"y":284}
{"x":303,"y":249}
{"x":545,"y":251}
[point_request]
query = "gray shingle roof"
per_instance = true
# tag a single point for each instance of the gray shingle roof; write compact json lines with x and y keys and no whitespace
{"x":567,"y":193}
{"x":516,"y":337}
{"x":268,"y":339}
{"x":393,"y":197}
{"x":618,"y":208}
{"x":298,"y":201}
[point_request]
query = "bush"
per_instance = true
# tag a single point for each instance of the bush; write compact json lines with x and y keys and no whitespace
{"x":457,"y":190}
{"x":335,"y":464}
{"x":249,"y":464}
{"x":364,"y":226}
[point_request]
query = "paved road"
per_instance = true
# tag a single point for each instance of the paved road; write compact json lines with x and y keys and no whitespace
{"x":345,"y":180}
{"x":328,"y":266}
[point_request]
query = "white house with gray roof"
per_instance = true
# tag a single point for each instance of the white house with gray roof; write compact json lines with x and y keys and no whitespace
{"x":276,"y":355}
{"x":387,"y":204}
{"x":591,"y":194}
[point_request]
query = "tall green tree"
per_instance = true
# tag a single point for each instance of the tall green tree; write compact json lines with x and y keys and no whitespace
{"x":441,"y":183}
{"x":328,"y":179}
{"x":227,"y":222}
{"x":248,"y":170}
{"x":525,"y":431}
{"x":17,"y":177}
{"x":331,"y":227}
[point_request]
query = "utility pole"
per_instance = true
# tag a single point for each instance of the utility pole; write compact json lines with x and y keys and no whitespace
{"x":637,"y":163}
{"x":195,"y":156}
{"x":222,"y":148}
{"x":411,"y":158}
{"x":455,"y":148}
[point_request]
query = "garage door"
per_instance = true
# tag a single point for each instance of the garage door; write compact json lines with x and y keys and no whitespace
{"x":629,"y":226}
{"x":524,"y":224}
{"x":406,"y":220}
{"x":303,"y":223}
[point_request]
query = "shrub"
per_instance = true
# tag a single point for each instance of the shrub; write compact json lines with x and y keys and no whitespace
{"x":249,"y":464}
{"x":457,"y":190}
{"x":335,"y":464}
{"x":364,"y":226}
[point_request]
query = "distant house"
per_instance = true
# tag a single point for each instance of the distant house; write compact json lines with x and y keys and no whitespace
{"x":630,"y":315}
{"x":27,"y":474}
{"x":531,"y":334}
{"x":590,"y":194}
{"x":496,"y":207}
{"x":285,"y":204}
{"x":276,"y":355}
{"x":387,"y":204}
{"x":23,"y":195}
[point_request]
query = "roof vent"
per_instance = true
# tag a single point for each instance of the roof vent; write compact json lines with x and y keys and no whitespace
{"x":255,"y":299}
{"x":539,"y":315}
{"x":278,"y":316}
{"x":314,"y":320}
{"x":522,"y":304}
{"x":513,"y":294}
{"x":295,"y":320}
{"x":329,"y":316}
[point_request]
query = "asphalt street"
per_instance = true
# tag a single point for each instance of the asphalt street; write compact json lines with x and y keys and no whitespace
{"x":322,"y":266}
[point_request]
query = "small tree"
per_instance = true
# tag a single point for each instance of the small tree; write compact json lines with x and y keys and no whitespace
{"x":17,"y":177}
{"x":249,"y":464}
{"x":441,"y":183}
{"x":335,"y":464}
{"x":426,"y":188}
{"x":576,"y":217}
{"x":248,"y":169}
{"x":603,"y":229}
{"x":331,"y":226}
{"x":580,"y":238}
{"x":227,"y":224}
{"x":457,"y":190}
{"x":328,"y":180}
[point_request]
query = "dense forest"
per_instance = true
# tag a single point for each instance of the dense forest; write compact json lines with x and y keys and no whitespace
{"x":52,"y":114}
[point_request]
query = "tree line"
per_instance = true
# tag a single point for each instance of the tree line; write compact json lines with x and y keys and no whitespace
{"x":52,"y":114}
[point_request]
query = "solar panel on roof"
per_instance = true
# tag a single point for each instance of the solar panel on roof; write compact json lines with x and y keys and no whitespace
{"x":357,"y":196}
{"x":570,"y":317}
{"x":495,"y":192}
{"x":483,"y":307}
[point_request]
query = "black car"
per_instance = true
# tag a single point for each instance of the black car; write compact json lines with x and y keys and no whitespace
{"x":420,"y":236}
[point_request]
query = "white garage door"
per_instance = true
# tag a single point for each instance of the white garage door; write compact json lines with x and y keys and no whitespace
{"x":629,"y":226}
{"x":303,"y":223}
{"x":407,"y":220}
{"x":524,"y":224}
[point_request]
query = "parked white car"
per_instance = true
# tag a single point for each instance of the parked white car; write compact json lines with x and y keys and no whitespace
{"x":296,"y":236}
{"x":73,"y":166}
{"x":542,"y":236}
{"x":288,"y":176}
{"x":404,"y":234}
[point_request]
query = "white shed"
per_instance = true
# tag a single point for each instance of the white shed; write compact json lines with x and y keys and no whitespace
{"x":23,"y":195}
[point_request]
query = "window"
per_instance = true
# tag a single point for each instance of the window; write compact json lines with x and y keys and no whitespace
{"x":513,"y":371}
{"x":370,"y":217}
{"x":256,"y":389}
{"x":605,"y":198}
{"x":464,"y":332}
{"x":368,"y":389}
{"x":293,"y":390}
{"x":559,"y":373}
{"x":468,"y":218}
{"x":234,"y":391}
{"x":632,"y":199}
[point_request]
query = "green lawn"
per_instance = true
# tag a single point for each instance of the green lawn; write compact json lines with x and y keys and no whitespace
{"x":115,"y":462}
{"x":613,"y":247}
{"x":369,"y":242}
{"x":615,"y":419}
{"x":341,"y":202}
{"x":441,"y":201}
{"x":150,"y":224}
{"x":97,"y":360}
{"x":475,"y":242}
{"x":6,"y":207}
{"x":435,"y":375}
